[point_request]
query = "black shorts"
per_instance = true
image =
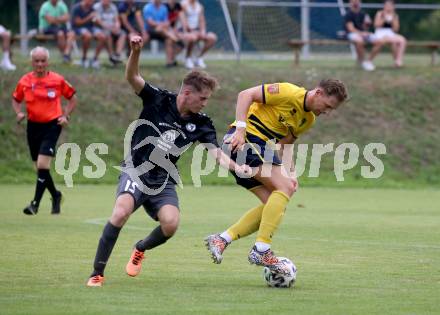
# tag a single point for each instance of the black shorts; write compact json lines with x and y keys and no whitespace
{"x":115,"y":37}
{"x":42,"y":138}
{"x":156,"y":35}
{"x":181,"y":30}
{"x":257,"y":153}
{"x":54,"y":29}
{"x":151,"y":203}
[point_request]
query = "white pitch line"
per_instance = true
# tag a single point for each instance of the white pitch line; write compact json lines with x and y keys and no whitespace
{"x":422,"y":246}
{"x":103,"y":221}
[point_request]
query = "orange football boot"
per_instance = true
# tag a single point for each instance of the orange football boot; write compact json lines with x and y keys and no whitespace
{"x":134,"y":265}
{"x":95,"y":281}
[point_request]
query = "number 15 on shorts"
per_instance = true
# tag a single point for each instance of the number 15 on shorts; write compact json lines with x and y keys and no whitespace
{"x":130,"y":186}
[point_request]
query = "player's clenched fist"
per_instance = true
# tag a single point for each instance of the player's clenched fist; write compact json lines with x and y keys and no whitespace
{"x":136,"y":43}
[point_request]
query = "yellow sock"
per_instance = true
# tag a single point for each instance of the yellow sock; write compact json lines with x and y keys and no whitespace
{"x":273,"y":212}
{"x":247,"y":224}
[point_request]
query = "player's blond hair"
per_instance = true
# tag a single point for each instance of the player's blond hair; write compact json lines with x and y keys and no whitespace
{"x":200,"y":80}
{"x":334,"y":87}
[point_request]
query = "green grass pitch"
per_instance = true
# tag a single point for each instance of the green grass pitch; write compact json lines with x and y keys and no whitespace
{"x":357,"y":252}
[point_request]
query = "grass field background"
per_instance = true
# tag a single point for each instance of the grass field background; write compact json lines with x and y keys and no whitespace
{"x":358,"y":251}
{"x":398,"y":108}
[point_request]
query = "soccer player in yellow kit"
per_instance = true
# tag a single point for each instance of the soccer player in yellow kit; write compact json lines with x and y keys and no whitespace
{"x":268,"y":113}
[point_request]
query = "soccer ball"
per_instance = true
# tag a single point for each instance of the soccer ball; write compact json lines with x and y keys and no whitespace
{"x":274,"y":279}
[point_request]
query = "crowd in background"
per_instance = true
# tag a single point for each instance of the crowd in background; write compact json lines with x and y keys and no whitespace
{"x":179,"y":25}
{"x":386,"y":24}
{"x":6,"y":63}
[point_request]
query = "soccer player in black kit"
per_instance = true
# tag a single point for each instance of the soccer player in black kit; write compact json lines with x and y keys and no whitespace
{"x":167,"y":126}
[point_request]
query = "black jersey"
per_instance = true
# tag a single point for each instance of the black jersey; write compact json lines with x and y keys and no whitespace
{"x":357,"y":18}
{"x":162,"y":135}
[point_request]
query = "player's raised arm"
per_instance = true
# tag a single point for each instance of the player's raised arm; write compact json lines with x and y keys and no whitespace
{"x":244,"y":100}
{"x":132,"y":68}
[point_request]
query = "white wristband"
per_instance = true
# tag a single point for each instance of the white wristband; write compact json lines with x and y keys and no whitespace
{"x":240,"y":124}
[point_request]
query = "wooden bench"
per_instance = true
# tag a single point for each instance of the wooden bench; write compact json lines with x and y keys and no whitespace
{"x":36,"y":36}
{"x":33,"y":34}
{"x":297,"y":45}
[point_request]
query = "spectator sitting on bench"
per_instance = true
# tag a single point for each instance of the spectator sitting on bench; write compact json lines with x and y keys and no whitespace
{"x":107,"y":19}
{"x":177,"y":21}
{"x":356,"y":24}
{"x":158,"y":27}
{"x":386,"y":23}
{"x":52,"y":20}
{"x":6,"y":63}
{"x":83,"y":22}
{"x":132,"y":22}
{"x":194,"y":23}
{"x":174,"y":9}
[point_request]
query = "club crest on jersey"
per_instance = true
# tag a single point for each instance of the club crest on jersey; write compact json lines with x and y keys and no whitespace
{"x":51,"y":94}
{"x":170,"y":136}
{"x":273,"y":88}
{"x":281,"y":119}
{"x":190,"y":127}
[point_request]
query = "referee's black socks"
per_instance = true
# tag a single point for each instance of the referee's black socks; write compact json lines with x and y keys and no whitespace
{"x":44,"y":180}
{"x":50,"y":184}
{"x":40,"y":185}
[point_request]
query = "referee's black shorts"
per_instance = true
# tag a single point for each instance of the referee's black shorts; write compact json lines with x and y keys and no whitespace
{"x":42,"y":138}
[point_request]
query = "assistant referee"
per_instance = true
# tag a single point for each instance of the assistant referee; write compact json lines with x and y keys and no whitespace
{"x":41,"y":90}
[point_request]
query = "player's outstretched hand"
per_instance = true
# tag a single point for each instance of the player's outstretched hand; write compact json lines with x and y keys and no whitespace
{"x":63,"y":121}
{"x":237,"y":140}
{"x":136,"y":43}
{"x":20,"y":117}
{"x":244,"y":170}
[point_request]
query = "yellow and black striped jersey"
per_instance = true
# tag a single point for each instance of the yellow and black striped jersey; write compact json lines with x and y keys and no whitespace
{"x":281,"y":112}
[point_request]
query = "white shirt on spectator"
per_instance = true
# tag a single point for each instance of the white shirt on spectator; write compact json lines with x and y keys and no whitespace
{"x":192,"y":13}
{"x":108,"y":16}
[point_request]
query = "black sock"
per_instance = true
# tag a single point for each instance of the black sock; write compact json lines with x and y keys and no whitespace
{"x":153,"y":240}
{"x":50,"y":184}
{"x":40,"y":185}
{"x":105,"y":247}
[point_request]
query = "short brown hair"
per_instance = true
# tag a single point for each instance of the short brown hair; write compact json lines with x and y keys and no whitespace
{"x":200,"y":80}
{"x":334,"y":87}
